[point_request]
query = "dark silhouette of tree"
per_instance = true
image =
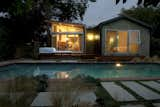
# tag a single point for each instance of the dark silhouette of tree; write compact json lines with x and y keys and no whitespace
{"x":143,"y":2}
{"x":26,"y":20}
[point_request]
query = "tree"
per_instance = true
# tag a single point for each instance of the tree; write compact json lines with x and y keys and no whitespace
{"x":150,"y":16}
{"x":144,"y":2}
{"x":27,"y":18}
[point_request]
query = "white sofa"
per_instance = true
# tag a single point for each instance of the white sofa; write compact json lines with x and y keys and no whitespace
{"x":50,"y":50}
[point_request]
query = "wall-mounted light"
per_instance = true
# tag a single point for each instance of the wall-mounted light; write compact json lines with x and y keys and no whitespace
{"x":111,"y":40}
{"x":90,"y":37}
{"x":96,"y":37}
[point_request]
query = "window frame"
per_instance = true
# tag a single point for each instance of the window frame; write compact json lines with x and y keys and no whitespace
{"x":128,"y":41}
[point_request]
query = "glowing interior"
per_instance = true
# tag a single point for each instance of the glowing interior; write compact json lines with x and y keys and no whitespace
{"x":122,"y":42}
{"x":67,"y":36}
{"x":61,"y":27}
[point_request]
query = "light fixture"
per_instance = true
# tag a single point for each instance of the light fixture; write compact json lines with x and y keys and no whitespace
{"x":118,"y":65}
{"x":96,"y":37}
{"x":90,"y":37}
{"x":66,"y":39}
{"x":66,"y":76}
{"x":111,"y":40}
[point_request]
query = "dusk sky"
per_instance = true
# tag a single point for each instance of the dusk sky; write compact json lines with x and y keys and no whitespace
{"x":103,"y":10}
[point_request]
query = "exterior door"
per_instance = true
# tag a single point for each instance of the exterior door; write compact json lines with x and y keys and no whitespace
{"x":122,"y":42}
{"x":117,"y":42}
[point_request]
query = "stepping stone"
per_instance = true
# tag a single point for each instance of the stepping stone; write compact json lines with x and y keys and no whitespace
{"x":131,"y":105}
{"x":156,"y":104}
{"x":89,"y":97}
{"x":141,"y":90}
{"x":44,"y":99}
{"x":152,"y":84}
{"x":117,"y":92}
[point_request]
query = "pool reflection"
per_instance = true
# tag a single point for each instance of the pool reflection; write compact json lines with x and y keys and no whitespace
{"x":62,"y":75}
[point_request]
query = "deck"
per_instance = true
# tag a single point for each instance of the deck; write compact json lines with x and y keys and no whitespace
{"x":87,"y":57}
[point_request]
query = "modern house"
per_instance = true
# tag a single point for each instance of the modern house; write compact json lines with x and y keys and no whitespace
{"x":120,"y":36}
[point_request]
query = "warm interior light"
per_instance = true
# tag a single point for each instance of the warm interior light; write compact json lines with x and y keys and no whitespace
{"x":90,"y":37}
{"x":66,"y":28}
{"x":96,"y":37}
{"x":111,"y":40}
{"x":118,"y":65}
{"x":67,"y":39}
{"x":66,"y":76}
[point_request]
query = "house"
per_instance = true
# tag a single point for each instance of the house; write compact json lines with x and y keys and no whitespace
{"x":66,"y":38}
{"x":120,"y":36}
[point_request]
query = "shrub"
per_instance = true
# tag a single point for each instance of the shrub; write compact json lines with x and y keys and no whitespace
{"x":42,"y":83}
{"x":19,"y":92}
{"x":155,"y":58}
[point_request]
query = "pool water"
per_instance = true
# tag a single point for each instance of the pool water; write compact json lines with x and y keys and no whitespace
{"x":96,"y":70}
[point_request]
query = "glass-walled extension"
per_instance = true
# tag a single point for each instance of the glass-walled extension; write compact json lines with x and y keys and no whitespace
{"x":122,"y":42}
{"x":67,"y":37}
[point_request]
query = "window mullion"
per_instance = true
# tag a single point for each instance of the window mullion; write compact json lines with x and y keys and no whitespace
{"x":128,"y":41}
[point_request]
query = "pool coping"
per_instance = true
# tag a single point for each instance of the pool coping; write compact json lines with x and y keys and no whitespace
{"x":24,"y":61}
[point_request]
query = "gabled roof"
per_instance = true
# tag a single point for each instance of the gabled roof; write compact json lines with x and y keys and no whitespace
{"x":124,"y":16}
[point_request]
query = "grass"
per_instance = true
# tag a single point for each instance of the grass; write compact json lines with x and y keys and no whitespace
{"x":66,"y":92}
{"x":18,"y":92}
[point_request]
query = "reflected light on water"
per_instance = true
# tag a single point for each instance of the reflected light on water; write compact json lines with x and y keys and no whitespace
{"x":62,"y":75}
{"x":118,"y":64}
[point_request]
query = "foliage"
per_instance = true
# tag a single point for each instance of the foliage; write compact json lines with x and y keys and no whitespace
{"x":87,"y":79}
{"x":4,"y":41}
{"x":143,"y":2}
{"x":18,"y":92}
{"x":151,"y":16}
{"x":65,"y":93}
{"x":42,"y":83}
{"x":26,"y":20}
{"x":22,"y":84}
{"x":104,"y":99}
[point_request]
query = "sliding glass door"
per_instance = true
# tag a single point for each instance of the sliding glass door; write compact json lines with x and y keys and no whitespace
{"x":67,"y":42}
{"x":134,"y":41}
{"x":67,"y":37}
{"x":122,"y":42}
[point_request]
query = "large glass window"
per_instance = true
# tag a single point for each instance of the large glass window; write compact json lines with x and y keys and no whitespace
{"x":67,"y":37}
{"x":68,"y":42}
{"x":61,"y":27}
{"x":122,"y":41}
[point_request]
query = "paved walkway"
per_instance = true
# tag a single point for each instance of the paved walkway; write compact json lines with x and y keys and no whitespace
{"x":142,"y":91}
{"x":156,"y":104}
{"x":117,"y":92}
{"x":152,"y":84}
{"x":126,"y":92}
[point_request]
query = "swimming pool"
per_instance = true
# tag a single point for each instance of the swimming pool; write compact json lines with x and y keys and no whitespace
{"x":70,"y":70}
